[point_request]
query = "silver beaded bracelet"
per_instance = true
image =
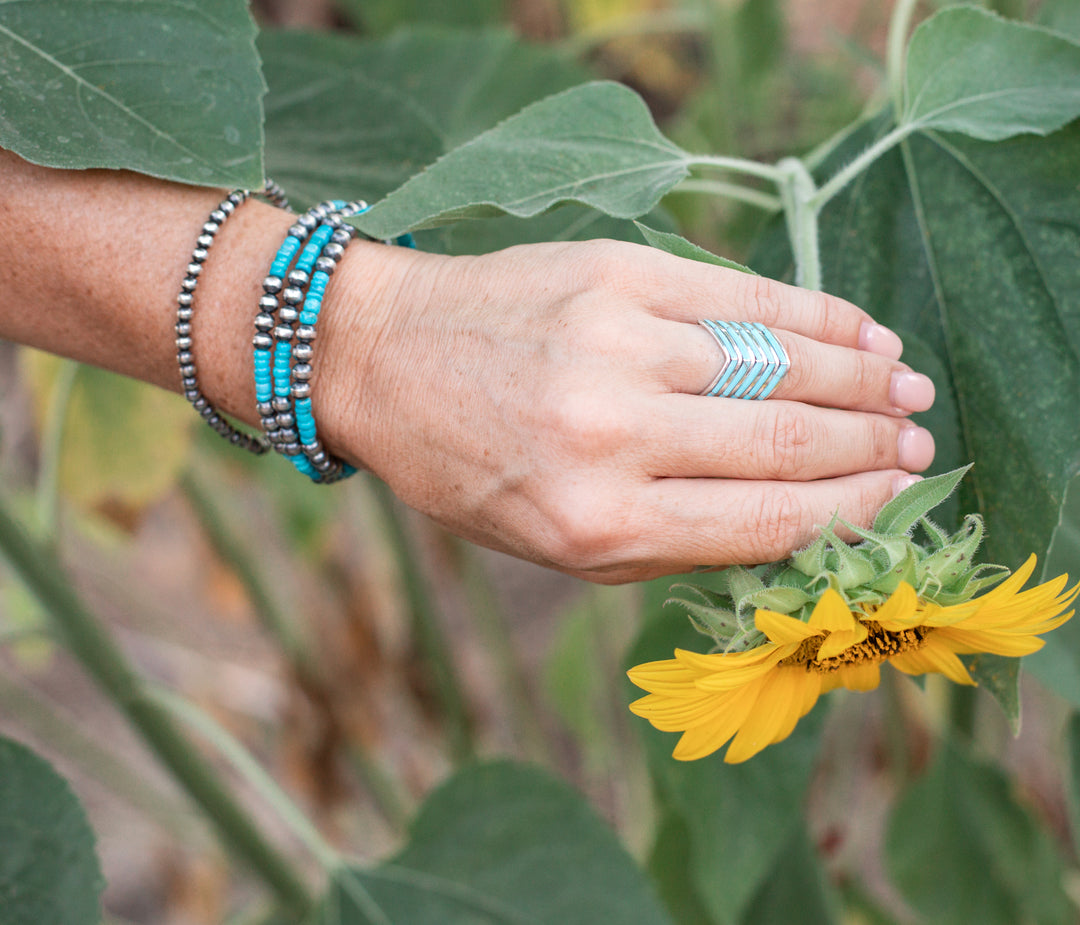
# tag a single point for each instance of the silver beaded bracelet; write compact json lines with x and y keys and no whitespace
{"x":185,"y":310}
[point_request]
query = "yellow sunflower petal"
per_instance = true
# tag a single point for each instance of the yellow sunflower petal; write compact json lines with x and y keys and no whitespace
{"x":831,"y":614}
{"x":806,"y":695}
{"x":707,"y":736}
{"x":706,"y":664}
{"x":971,"y":642}
{"x":839,"y":641}
{"x":781,"y":628}
{"x":863,"y":676}
{"x":668,"y":675}
{"x":771,"y":711}
{"x":932,"y":658}
{"x":732,"y":675}
{"x":900,"y":611}
{"x":677,"y":715}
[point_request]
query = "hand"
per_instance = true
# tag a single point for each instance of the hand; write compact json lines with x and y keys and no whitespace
{"x":543,"y":400}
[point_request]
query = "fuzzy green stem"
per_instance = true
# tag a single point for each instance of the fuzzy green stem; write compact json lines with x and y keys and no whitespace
{"x":843,"y":177}
{"x":738,"y":165}
{"x":797,"y":192}
{"x":235,"y":555}
{"x":38,"y":567}
{"x":429,"y":633}
{"x":52,"y":442}
{"x":746,"y":194}
{"x":895,"y":55}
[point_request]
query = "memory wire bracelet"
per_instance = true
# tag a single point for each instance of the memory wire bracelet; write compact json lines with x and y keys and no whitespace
{"x":185,"y":311}
{"x":289,"y":424}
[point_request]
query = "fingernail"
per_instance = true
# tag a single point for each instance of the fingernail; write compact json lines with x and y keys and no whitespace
{"x":911,"y":391}
{"x":904,"y":481}
{"x":915,"y":447}
{"x":876,"y":338}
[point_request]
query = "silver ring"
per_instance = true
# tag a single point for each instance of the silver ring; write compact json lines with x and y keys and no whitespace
{"x":754,"y":360}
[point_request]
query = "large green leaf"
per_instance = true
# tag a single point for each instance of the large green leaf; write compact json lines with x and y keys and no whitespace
{"x":48,"y":867}
{"x":595,"y":144}
{"x":740,"y":818}
{"x":1062,"y":16}
{"x":971,"y":71}
{"x":500,"y":844}
{"x":357,"y":118}
{"x":798,"y":881}
{"x":962,"y":850}
{"x":972,"y":246}
{"x":171,"y":89}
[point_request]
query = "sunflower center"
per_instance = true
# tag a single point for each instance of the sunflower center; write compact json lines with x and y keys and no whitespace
{"x":879,"y":645}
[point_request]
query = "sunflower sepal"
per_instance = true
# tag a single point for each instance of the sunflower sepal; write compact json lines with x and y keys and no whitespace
{"x":903,"y":512}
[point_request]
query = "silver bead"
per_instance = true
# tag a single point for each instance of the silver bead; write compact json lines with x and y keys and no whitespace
{"x":318,"y":458}
{"x":190,"y":384}
{"x":192,"y":394}
{"x":218,"y":216}
{"x":184,"y":357}
{"x":302,"y":372}
{"x":227,"y":206}
{"x":285,"y":419}
{"x":188,"y":283}
{"x":183,"y":343}
{"x":302,"y":352}
{"x":199,"y":254}
{"x":298,"y":278}
{"x":269,"y":423}
{"x":183,"y":328}
{"x":288,"y":314}
{"x":281,"y":404}
{"x":309,"y":221}
{"x":262,"y":341}
{"x":342,"y":235}
{"x":268,"y":303}
{"x":201,"y":403}
{"x":185,"y":314}
{"x":204,"y":240}
{"x":264,"y":322}
{"x":185,"y":299}
{"x":264,"y":408}
{"x":298,"y":231}
{"x":333,"y":250}
{"x":272,"y":284}
{"x":237,"y":196}
{"x":188,"y":369}
{"x":291,"y":449}
{"x":325,"y":265}
{"x":283,"y":332}
{"x":293,"y":296}
{"x":301,"y":390}
{"x":305,"y":332}
{"x":213,"y":419}
{"x":211,"y":228}
{"x":194,"y":269}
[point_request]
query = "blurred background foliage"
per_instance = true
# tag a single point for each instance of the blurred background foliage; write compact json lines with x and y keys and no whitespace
{"x":362,"y":654}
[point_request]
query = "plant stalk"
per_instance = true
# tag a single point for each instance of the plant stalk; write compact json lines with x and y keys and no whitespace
{"x":843,"y":177}
{"x":747,"y":194}
{"x":52,"y":442}
{"x":797,"y":192}
{"x":752,"y":168}
{"x":429,"y":634}
{"x":895,"y":54}
{"x":39,"y":568}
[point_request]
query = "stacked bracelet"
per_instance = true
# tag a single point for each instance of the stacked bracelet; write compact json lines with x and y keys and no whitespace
{"x":185,"y":310}
{"x":282,"y":369}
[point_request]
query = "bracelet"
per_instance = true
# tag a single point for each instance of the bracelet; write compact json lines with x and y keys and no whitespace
{"x":185,"y":311}
{"x":290,"y":427}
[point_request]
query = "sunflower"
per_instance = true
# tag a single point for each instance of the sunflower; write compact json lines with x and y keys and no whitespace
{"x":759,"y":695}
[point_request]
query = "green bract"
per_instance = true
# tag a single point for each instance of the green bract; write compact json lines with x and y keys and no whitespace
{"x":938,"y":565}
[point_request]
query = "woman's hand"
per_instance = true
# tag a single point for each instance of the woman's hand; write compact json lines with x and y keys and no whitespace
{"x":543,"y":400}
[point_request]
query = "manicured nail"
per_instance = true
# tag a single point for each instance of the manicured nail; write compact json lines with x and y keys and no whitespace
{"x":915,"y":447}
{"x":904,"y":481}
{"x":911,"y":391}
{"x":876,"y":338}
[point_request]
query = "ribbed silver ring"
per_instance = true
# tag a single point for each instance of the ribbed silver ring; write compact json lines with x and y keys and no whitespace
{"x":754,"y":360}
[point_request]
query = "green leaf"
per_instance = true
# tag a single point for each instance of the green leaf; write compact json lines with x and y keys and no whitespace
{"x":999,"y":676}
{"x":973,"y":72}
{"x":49,"y":870}
{"x":500,"y":844}
{"x":741,"y":818}
{"x":1057,"y":664}
{"x":797,"y":882}
{"x":680,"y":247}
{"x":357,"y":118}
{"x":1062,"y":16}
{"x":962,"y":850}
{"x":669,"y":866}
{"x":171,"y":89}
{"x":902,"y":513}
{"x":972,"y":246}
{"x":595,"y":144}
{"x":123,"y":441}
{"x":1072,"y":780}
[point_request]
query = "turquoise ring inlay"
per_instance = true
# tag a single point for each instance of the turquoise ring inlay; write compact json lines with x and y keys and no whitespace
{"x":754,"y":360}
